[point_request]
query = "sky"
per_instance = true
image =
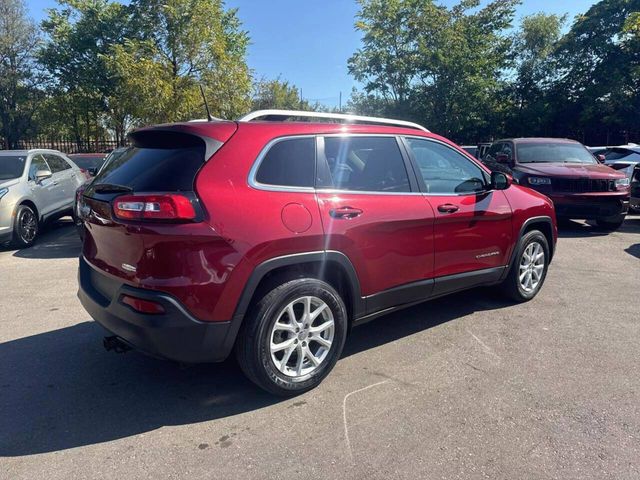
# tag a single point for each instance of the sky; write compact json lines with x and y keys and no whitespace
{"x":308,"y":42}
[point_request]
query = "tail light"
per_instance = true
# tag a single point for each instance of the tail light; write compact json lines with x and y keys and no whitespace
{"x":173,"y":207}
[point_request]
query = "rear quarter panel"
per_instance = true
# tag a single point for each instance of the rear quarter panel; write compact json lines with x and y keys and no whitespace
{"x":249,"y":220}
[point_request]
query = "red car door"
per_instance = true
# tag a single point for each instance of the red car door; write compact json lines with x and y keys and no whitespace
{"x":472,"y":226}
{"x":372,"y":212}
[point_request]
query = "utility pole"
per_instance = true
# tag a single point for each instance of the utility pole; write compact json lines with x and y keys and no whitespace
{"x":340,"y":103}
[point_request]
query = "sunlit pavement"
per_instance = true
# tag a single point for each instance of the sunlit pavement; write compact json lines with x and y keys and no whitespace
{"x":467,"y":386}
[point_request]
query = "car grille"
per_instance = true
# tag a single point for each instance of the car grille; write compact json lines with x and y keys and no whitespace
{"x":582,"y":185}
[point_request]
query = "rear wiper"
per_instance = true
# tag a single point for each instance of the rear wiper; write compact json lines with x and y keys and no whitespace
{"x":111,"y":188}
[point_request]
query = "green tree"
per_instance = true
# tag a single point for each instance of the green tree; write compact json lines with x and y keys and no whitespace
{"x":183,"y":44}
{"x":19,"y":78}
{"x":277,"y":94}
{"x":534,"y":73}
{"x":81,"y":34}
{"x":441,"y":66}
{"x":598,"y":61}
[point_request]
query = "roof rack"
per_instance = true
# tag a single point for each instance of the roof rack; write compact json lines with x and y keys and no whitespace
{"x":334,"y":116}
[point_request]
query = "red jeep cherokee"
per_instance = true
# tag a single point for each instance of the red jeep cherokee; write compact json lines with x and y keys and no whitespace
{"x":568,"y":173}
{"x":273,"y":238}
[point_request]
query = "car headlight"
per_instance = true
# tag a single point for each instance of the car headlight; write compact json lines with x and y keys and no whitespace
{"x":622,"y":183}
{"x":3,"y":192}
{"x":539,"y":181}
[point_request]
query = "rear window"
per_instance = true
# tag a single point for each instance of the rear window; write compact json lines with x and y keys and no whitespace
{"x":154,"y":169}
{"x":88,"y":162}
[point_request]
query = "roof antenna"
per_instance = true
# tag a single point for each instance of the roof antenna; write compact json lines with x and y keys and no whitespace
{"x":206,"y":105}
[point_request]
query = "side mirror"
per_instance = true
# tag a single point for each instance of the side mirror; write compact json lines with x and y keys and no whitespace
{"x":601,"y":158}
{"x":503,"y":158}
{"x":42,"y":175}
{"x":500,"y":181}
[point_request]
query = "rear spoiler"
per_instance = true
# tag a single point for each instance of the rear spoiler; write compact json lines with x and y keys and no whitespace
{"x":212,"y":134}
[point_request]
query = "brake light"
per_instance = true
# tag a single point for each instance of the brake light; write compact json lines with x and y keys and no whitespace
{"x":142,"y":306}
{"x":154,"y":207}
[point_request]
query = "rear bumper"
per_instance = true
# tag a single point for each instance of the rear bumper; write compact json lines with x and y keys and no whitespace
{"x":590,"y":206}
{"x":174,"y":335}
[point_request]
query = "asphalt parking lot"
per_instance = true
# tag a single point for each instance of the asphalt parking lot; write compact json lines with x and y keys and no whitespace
{"x":467,"y":386}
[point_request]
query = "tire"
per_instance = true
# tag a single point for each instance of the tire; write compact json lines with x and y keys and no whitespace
{"x":522,"y":291}
{"x":291,"y":376}
{"x":610,"y":224}
{"x":25,"y":227}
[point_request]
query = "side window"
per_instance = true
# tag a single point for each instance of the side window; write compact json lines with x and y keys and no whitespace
{"x":289,"y":163}
{"x":366,"y":164}
{"x":507,"y":150}
{"x":493,"y":150}
{"x":57,"y":164}
{"x":37,"y":163}
{"x":444,"y":170}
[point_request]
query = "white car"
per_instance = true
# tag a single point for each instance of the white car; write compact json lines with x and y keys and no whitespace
{"x":35,"y":186}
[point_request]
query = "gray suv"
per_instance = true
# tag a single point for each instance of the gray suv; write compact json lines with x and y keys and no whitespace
{"x":35,"y":186}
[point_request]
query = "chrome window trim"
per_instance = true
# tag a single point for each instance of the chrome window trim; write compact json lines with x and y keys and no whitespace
{"x":263,"y":153}
{"x":364,"y":192}
{"x":253,"y":183}
{"x":464,"y":155}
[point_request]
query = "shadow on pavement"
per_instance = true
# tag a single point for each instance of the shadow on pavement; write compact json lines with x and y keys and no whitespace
{"x":634,"y":250}
{"x":60,"y":389}
{"x":58,"y":239}
{"x":631,"y":224}
{"x":63,"y":390}
{"x":576,"y":229}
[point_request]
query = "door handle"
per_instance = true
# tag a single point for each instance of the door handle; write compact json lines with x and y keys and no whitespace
{"x":55,"y":182}
{"x":345,"y":212}
{"x":448,"y":208}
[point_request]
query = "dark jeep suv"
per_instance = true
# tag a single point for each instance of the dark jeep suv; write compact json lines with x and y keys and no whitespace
{"x":273,"y":238}
{"x":565,"y":171}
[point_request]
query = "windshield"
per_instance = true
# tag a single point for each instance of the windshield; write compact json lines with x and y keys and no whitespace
{"x":12,"y":166}
{"x":87,"y":162}
{"x":622,"y":154}
{"x":553,"y":153}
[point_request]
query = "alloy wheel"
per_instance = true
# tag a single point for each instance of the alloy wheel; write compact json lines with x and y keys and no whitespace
{"x":27,"y":225}
{"x":532,"y":265}
{"x":301,"y":337}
